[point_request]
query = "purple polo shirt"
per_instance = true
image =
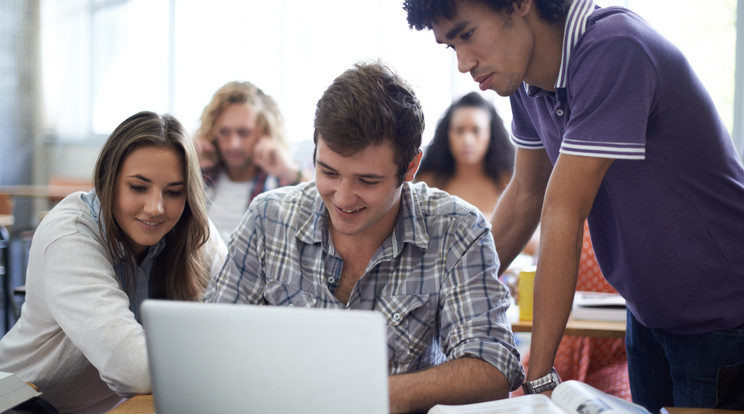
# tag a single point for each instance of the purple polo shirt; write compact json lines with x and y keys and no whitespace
{"x":667,"y":224}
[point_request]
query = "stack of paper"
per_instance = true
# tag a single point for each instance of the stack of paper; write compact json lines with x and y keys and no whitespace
{"x":598,"y":306}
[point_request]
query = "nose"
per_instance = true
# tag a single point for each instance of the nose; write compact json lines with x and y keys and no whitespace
{"x":464,"y":62}
{"x":154,"y":205}
{"x":234,"y":141}
{"x":344,"y":194}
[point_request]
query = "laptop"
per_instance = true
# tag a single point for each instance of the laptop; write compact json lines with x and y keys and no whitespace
{"x":225,"y":358}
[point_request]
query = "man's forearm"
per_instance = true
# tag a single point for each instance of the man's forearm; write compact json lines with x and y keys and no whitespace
{"x":513,"y":224}
{"x":462,"y":381}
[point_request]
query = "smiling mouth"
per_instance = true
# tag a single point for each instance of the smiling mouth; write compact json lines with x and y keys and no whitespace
{"x":149,"y":223}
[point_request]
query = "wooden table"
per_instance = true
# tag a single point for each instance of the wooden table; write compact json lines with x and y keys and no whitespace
{"x":139,"y":404}
{"x":143,"y":404}
{"x":42,"y":191}
{"x":680,"y":410}
{"x":6,"y":220}
{"x":599,"y":329}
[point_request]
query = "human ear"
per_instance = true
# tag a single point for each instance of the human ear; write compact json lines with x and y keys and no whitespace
{"x":413,"y":166}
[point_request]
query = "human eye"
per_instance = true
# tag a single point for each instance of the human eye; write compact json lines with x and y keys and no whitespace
{"x":137,"y":188}
{"x":244,"y":133}
{"x":174,"y":193}
{"x":328,"y":173}
{"x":467,"y":35}
{"x":369,"y":182}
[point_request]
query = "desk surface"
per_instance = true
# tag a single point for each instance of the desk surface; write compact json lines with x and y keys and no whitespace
{"x":43,"y":191}
{"x":139,"y":404}
{"x":600,"y":329}
{"x":6,"y":220}
{"x":143,"y":404}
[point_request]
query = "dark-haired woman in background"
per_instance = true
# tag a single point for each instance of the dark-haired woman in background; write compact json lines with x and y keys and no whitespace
{"x":471,"y":155}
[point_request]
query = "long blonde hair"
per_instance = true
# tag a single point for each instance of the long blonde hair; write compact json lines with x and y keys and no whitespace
{"x":180,"y":271}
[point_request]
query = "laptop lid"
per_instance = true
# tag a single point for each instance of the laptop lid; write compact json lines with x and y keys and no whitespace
{"x":264,"y":359}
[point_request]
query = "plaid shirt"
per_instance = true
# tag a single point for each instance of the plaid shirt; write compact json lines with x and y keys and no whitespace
{"x":434,"y":278}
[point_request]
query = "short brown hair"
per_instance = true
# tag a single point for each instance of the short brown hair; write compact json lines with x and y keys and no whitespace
{"x":367,"y":105}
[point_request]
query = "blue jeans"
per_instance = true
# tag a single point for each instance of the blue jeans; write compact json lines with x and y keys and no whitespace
{"x":668,"y":370}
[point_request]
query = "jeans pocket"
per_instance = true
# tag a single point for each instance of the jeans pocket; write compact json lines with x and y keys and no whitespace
{"x":730,"y":387}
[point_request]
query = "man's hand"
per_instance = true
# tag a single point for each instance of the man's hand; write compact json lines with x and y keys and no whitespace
{"x":207,"y":153}
{"x":271,"y":157}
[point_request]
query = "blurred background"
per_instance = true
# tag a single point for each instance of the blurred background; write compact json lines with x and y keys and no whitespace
{"x":71,"y":70}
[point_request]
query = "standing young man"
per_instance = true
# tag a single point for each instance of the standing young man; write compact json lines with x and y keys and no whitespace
{"x":612,"y":123}
{"x":362,"y":236}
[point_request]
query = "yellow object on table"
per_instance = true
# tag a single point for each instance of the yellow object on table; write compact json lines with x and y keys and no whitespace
{"x":525,"y":286}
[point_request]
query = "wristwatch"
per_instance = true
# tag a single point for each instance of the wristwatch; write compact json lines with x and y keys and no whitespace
{"x":542,"y":384}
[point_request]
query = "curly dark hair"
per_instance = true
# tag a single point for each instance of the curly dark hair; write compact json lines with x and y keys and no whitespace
{"x":422,"y":13}
{"x":499,"y":159}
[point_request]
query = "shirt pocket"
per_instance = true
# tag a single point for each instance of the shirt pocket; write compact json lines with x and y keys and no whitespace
{"x":277,"y":293}
{"x":409,"y":325}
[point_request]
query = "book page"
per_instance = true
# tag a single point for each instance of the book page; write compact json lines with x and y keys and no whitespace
{"x":577,"y":397}
{"x":537,"y":404}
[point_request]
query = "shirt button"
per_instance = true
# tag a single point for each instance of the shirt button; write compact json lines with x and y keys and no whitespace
{"x":396,"y":317}
{"x":331,"y":279}
{"x":559,"y":112}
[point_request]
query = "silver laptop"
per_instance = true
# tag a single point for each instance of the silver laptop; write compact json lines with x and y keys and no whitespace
{"x":222,"y":358}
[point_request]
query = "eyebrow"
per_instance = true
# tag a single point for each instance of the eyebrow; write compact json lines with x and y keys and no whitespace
{"x":147,"y":180}
{"x":368,"y":176}
{"x":457,"y":29}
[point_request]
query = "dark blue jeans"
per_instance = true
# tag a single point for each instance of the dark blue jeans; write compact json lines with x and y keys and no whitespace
{"x":667,"y":370}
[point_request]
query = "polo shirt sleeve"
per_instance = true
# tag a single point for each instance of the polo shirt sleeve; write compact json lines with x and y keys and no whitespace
{"x":611,"y":91}
{"x":523,"y":133}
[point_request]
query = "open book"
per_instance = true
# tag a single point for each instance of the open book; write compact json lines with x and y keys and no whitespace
{"x":598,"y":306}
{"x":14,"y":391}
{"x":568,"y":398}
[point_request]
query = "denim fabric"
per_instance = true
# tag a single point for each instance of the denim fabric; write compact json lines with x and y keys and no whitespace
{"x":679,"y":370}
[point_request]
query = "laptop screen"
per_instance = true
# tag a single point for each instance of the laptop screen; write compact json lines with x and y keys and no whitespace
{"x":265,"y":359}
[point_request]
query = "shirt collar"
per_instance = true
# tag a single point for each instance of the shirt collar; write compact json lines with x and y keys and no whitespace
{"x":578,"y":14}
{"x":576,"y":18}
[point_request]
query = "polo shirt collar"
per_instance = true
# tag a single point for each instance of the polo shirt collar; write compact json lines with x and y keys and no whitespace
{"x":578,"y":14}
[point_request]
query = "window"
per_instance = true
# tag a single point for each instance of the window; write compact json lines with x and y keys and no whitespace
{"x":104,"y":60}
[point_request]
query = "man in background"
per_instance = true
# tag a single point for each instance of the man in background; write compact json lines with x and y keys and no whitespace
{"x":242,"y":151}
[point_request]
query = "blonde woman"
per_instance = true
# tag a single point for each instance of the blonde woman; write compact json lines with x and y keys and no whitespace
{"x":141,"y":233}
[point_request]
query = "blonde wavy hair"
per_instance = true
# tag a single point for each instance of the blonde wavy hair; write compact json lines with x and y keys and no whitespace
{"x":270,"y":121}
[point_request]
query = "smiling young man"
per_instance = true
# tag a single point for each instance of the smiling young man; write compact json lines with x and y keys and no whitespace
{"x":612,"y":123}
{"x":362,"y":236}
